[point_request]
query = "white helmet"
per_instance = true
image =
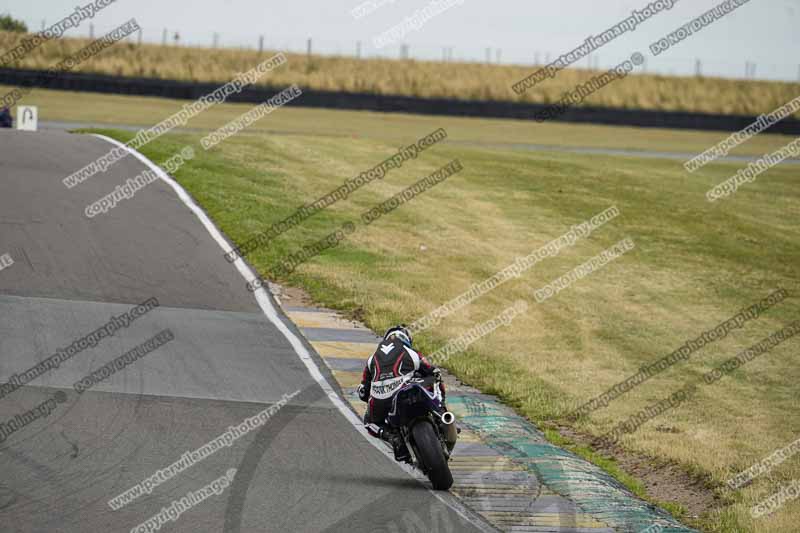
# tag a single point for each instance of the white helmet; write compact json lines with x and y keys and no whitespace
{"x":401,"y":333}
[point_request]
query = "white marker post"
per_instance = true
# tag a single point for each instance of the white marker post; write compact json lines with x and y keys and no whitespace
{"x":27,"y":117}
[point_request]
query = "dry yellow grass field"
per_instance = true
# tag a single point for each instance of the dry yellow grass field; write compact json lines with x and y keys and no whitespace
{"x":466,"y":81}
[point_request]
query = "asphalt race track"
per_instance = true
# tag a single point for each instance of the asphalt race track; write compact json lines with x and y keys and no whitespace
{"x":676,"y":156}
{"x":305,"y":469}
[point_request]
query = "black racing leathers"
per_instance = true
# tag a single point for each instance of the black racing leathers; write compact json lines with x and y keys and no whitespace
{"x":383,"y":376}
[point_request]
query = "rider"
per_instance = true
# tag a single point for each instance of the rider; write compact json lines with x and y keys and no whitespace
{"x":393,"y":358}
{"x":6,"y":121}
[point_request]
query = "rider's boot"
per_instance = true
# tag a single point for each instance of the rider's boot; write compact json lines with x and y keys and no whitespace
{"x":394,"y":438}
{"x":391,"y":436}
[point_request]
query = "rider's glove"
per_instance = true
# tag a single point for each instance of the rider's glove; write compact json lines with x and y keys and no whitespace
{"x":437,"y":373}
{"x":363,"y":393}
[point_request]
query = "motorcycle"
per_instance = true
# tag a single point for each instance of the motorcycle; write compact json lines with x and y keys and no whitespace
{"x":428,"y":430}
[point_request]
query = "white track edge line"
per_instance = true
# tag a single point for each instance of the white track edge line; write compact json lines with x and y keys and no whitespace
{"x":301,"y":351}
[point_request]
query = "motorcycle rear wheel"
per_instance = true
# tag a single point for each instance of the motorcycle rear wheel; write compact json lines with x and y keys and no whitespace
{"x":432,"y":455}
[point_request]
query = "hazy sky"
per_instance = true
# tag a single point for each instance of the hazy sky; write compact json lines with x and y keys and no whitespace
{"x":766,"y":32}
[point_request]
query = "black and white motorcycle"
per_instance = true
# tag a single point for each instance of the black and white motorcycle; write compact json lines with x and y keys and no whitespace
{"x":428,"y":430}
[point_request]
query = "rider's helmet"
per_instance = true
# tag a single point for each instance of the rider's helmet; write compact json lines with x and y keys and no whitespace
{"x":400,"y":333}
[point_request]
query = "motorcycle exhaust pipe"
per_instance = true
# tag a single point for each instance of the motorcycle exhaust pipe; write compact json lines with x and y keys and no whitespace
{"x":448,"y":418}
{"x":449,"y":429}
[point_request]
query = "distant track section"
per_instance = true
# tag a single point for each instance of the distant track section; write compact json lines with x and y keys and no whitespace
{"x":75,"y":81}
